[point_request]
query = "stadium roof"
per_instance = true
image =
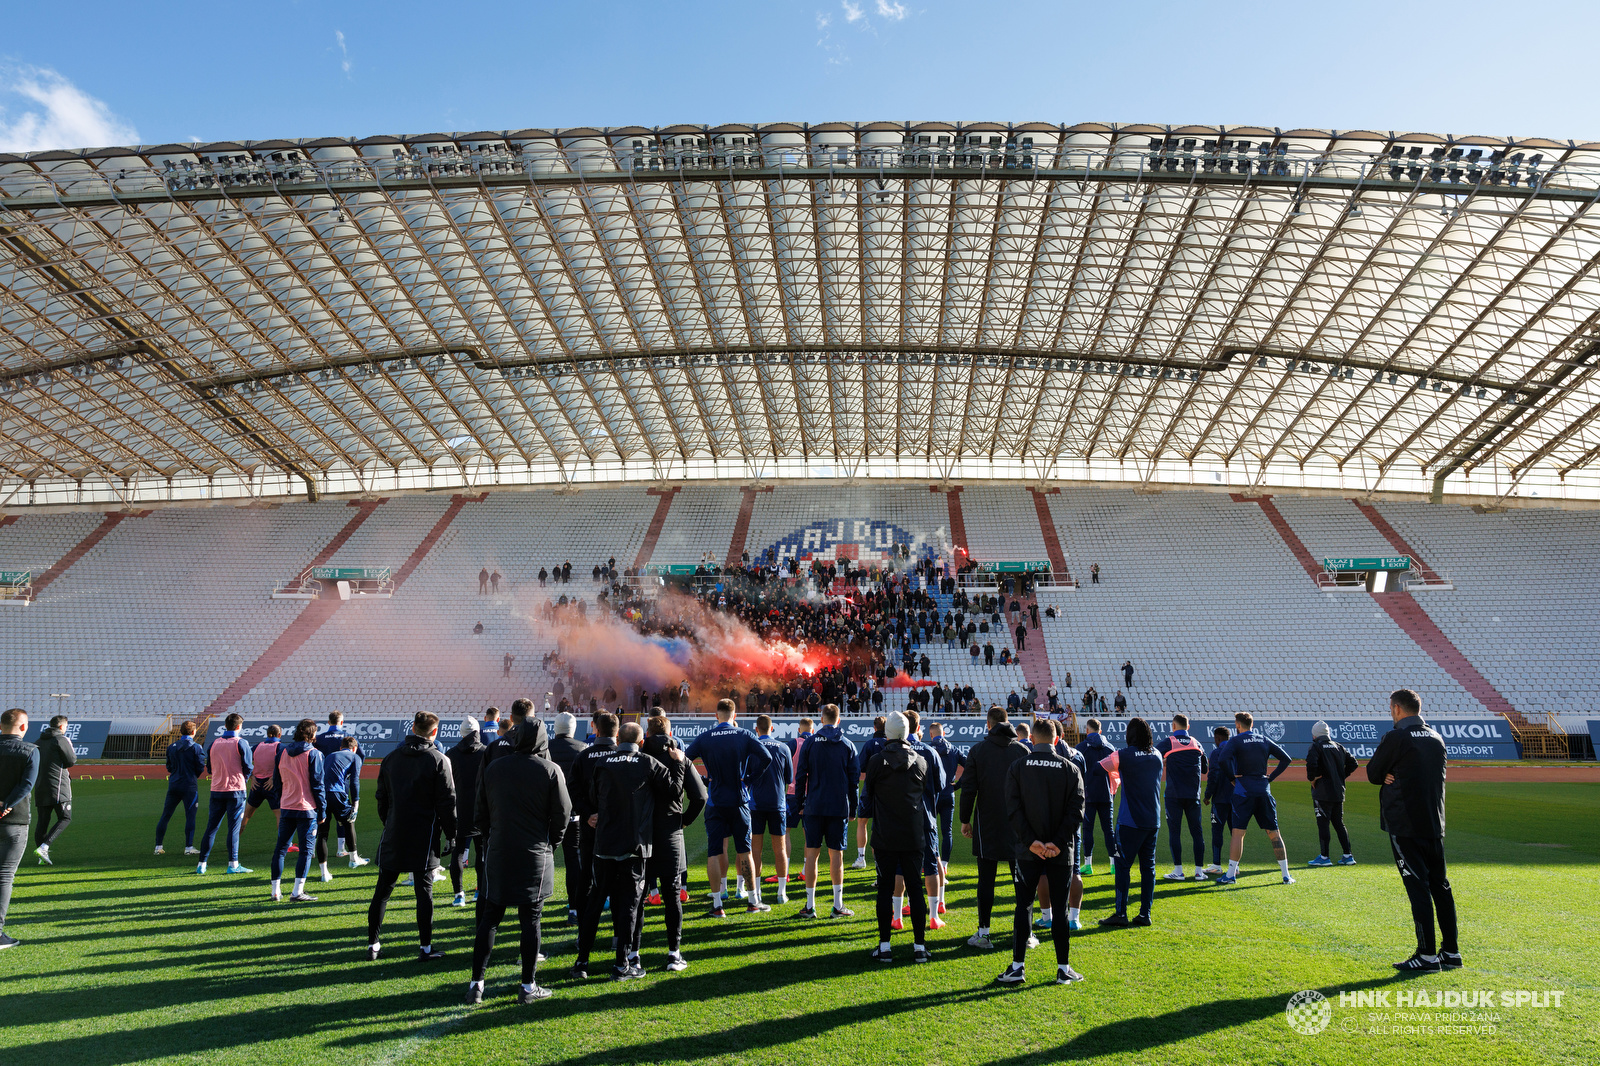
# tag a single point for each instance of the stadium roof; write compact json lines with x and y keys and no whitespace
{"x":939,"y":300}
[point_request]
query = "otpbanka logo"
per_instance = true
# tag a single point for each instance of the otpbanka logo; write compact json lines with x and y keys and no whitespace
{"x":1308,"y":1012}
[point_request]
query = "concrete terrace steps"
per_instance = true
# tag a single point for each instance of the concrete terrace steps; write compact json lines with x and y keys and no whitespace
{"x":653,"y":534}
{"x":317,"y":612}
{"x":79,"y":550}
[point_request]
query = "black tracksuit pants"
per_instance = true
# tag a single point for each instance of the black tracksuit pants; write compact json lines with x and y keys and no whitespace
{"x":1095,"y":812}
{"x":577,"y":877}
{"x":1221,"y":827}
{"x":1026,"y":876}
{"x":622,"y":880}
{"x":44,"y":833}
{"x":661,"y":872}
{"x":1422,"y":871}
{"x":1330,"y":816}
{"x":1134,"y":845}
{"x":490,"y":915}
{"x":381,"y":892}
{"x":1179,"y":811}
{"x":907,"y":864}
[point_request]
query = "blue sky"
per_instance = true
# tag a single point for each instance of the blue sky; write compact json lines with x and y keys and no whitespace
{"x":176,"y":71}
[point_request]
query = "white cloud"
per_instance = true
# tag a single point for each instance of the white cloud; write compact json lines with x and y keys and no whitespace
{"x":344,"y":53}
{"x":824,"y":20}
{"x":41,"y":111}
{"x":852,"y":12}
{"x":895,"y":11}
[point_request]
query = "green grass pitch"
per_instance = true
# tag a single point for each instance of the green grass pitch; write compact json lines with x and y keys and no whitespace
{"x":131,"y":958}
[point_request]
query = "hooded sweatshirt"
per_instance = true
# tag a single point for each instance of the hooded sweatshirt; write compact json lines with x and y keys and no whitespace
{"x":894,"y":792}
{"x":826,"y":775}
{"x":297,"y":776}
{"x":983,"y":791}
{"x":229,"y":762}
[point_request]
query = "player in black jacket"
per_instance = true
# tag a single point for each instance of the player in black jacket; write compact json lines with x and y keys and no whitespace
{"x":1219,"y":794}
{"x":1044,"y":805}
{"x":565,"y":747}
{"x":669,"y":858}
{"x":624,"y":788}
{"x":1327,"y":766}
{"x":605,"y":742}
{"x":893,"y":792}
{"x":983,"y":811}
{"x":1409,"y":765}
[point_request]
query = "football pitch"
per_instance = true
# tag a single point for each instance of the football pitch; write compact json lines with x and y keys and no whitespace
{"x":127,"y":957}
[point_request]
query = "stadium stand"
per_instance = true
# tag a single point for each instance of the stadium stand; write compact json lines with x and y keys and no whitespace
{"x":169,"y":613}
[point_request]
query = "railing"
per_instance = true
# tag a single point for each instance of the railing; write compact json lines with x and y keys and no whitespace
{"x":297,"y":588}
{"x":1541,"y":740}
{"x":1505,"y":168}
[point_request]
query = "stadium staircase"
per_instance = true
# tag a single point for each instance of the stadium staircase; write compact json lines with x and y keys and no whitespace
{"x":1424,"y":572}
{"x":317,"y":612}
{"x":79,"y":550}
{"x":741,"y":525}
{"x":1052,"y":540}
{"x":653,"y":534}
{"x":958,"y":522}
{"x":1401,"y":608}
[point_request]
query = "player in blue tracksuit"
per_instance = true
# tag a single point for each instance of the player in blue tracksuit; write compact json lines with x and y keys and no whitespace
{"x":1248,"y":754}
{"x":734,"y":760}
{"x":1136,"y":770}
{"x":1096,"y":793}
{"x":1186,"y":767}
{"x":868,"y":750}
{"x":825,"y":791}
{"x":933,"y":785}
{"x":330,"y":742}
{"x":341,"y":786}
{"x":953,"y":761}
{"x":1219,"y":793}
{"x":186,"y":761}
{"x":769,"y":802}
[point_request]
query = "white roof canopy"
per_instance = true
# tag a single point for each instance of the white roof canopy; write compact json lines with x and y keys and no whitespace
{"x":876,"y":300}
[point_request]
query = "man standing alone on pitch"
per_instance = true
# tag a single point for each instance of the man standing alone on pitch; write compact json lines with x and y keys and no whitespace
{"x":1044,"y":803}
{"x":186,"y":761}
{"x":521,"y":811}
{"x":1327,"y":766}
{"x":229,"y":763}
{"x":983,"y":811}
{"x":825,"y":790}
{"x":1247,"y":755}
{"x":893,"y":792}
{"x":734,"y":759}
{"x":53,"y":793}
{"x":1409,"y":765}
{"x":417,"y":805}
{"x":19,"y":770}
{"x":1186,"y":766}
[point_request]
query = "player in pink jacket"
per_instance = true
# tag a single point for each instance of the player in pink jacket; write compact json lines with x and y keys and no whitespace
{"x":297,"y":777}
{"x":229,"y":763}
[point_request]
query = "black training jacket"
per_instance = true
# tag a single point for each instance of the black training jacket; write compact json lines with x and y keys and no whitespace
{"x":522,"y":810}
{"x":1414,"y":805}
{"x":466,"y":759}
{"x":983,"y":789}
{"x":19,"y":773}
{"x":579,"y":775}
{"x":416,"y":804}
{"x":1329,"y":764}
{"x":674,"y":814}
{"x":624,"y":788}
{"x":1044,"y":802}
{"x":893,"y":793}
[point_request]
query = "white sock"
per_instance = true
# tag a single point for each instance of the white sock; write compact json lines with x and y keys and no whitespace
{"x":375,"y":945}
{"x":1233,"y":867}
{"x":527,"y":987}
{"x":427,"y":948}
{"x":1178,"y":870}
{"x":323,"y":869}
{"x":1072,"y":914}
{"x":1428,"y":958}
{"x":479,"y":985}
{"x":838,"y":896}
{"x":1047,"y":913}
{"x":899,"y":902}
{"x":723,"y":892}
{"x":1283,"y":864}
{"x":299,"y":885}
{"x":755,"y":892}
{"x":739,"y":885}
{"x":811,"y":897}
{"x":883,"y":945}
{"x":716,"y":900}
{"x":918,"y":947}
{"x":275,"y":889}
{"x":983,"y":930}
